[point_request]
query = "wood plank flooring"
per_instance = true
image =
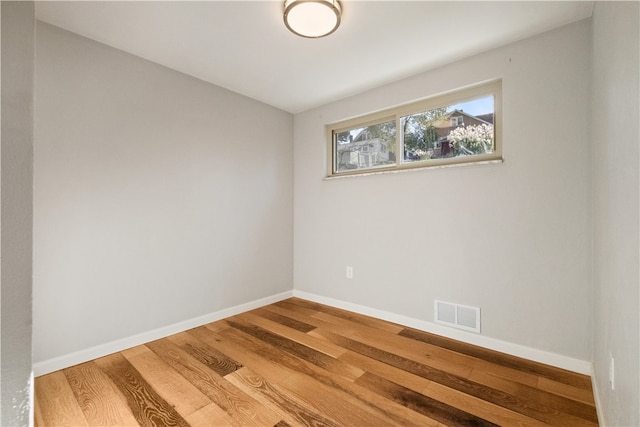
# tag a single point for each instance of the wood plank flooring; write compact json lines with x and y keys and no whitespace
{"x":298,"y":363}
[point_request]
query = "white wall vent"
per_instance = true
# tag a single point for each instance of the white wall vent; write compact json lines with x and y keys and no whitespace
{"x":457,"y":315}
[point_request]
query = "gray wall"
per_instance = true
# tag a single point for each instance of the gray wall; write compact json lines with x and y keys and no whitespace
{"x":158,"y":198}
{"x":511,"y":238}
{"x":16,"y":171}
{"x":616,"y":186}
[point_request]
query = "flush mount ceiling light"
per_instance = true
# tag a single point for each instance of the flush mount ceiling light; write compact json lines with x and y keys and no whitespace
{"x":312,"y":18}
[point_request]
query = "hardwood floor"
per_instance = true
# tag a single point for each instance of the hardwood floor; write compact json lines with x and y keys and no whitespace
{"x":298,"y":363}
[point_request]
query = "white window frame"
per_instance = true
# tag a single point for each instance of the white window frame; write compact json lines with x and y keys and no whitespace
{"x":492,"y":88}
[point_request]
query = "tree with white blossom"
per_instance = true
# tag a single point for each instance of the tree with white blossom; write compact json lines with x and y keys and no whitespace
{"x":473,"y":139}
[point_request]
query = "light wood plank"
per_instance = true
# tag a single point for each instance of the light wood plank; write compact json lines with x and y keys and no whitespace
{"x":56,"y":402}
{"x":291,"y":408}
{"x":479,"y":407}
{"x":205,"y":354}
{"x":101,"y":403}
{"x":502,"y":359}
{"x":349,"y":316}
{"x":212,"y":416}
{"x":147,"y":406}
{"x":570,"y":391}
{"x":298,"y":324}
{"x":296,"y":315}
{"x":404,"y":378}
{"x":168,"y":383}
{"x":420,"y":403}
{"x":38,"y":419}
{"x":544,"y":406}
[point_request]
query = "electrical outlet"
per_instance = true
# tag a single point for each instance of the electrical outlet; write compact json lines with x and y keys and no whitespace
{"x":349,"y":272}
{"x":612,"y":372}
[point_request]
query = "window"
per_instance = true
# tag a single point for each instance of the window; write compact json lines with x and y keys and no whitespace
{"x":458,"y":127}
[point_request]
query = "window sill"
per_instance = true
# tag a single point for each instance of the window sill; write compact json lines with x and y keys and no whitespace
{"x":415,"y":169}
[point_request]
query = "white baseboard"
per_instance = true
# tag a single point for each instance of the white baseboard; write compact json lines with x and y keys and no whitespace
{"x":541,"y":356}
{"x":55,"y":364}
{"x":560,"y":361}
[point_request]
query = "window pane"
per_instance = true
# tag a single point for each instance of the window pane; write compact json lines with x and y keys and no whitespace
{"x":463,"y":129}
{"x":365,"y":147}
{"x":457,"y":127}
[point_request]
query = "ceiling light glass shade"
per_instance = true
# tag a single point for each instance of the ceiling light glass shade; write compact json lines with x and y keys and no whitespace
{"x":312,"y":18}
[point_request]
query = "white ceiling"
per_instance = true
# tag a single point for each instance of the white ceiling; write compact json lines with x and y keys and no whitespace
{"x":245,"y":47}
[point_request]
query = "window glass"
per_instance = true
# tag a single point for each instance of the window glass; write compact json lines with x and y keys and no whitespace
{"x":458,"y":127}
{"x":462,"y":129}
{"x":366,"y":147}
